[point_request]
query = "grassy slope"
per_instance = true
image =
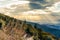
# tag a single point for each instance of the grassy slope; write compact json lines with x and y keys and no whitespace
{"x":15,"y":27}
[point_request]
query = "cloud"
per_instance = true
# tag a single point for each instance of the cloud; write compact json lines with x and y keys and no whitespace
{"x":55,"y":7}
{"x":1,"y":0}
{"x":7,"y":3}
{"x":35,"y":12}
{"x":40,"y":4}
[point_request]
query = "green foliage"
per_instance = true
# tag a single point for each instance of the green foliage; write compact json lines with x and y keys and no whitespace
{"x":31,"y":30}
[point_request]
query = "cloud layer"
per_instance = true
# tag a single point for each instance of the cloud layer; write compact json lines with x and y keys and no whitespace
{"x":50,"y":9}
{"x":55,"y":7}
{"x":40,"y":4}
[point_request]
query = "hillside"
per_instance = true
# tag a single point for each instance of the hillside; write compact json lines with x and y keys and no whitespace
{"x":14,"y":29}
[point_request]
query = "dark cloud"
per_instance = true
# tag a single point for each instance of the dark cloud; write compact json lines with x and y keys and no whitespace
{"x":39,"y":4}
{"x":35,"y":6}
{"x":41,"y":1}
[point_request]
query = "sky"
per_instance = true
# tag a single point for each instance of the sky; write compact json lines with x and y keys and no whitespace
{"x":4,"y":3}
{"x":36,"y":4}
{"x":39,"y":5}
